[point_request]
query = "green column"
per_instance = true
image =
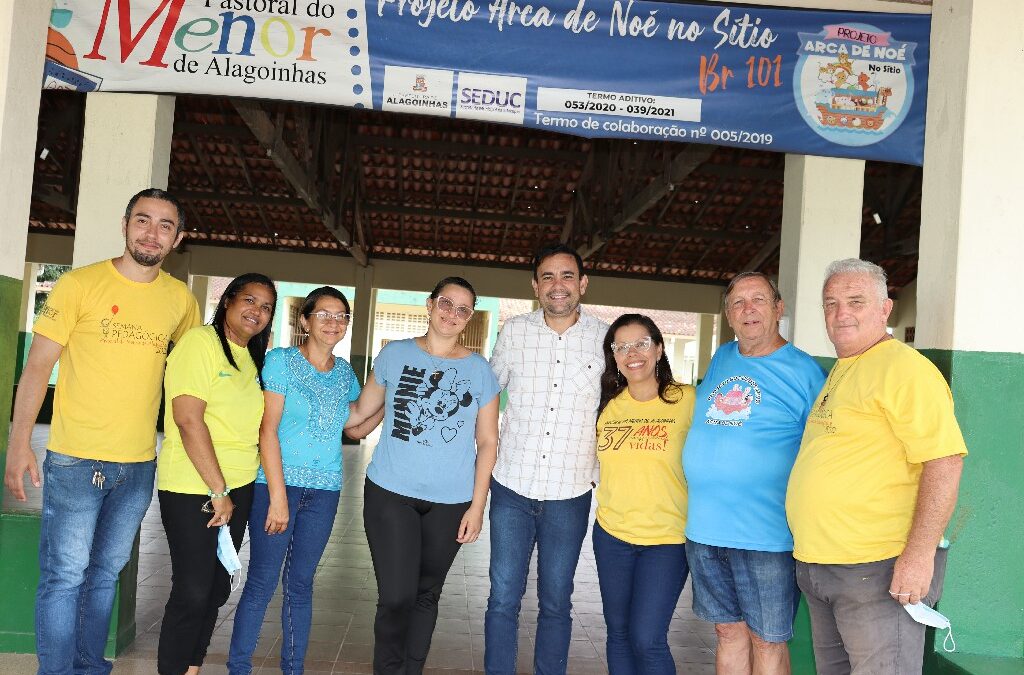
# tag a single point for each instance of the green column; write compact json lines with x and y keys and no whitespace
{"x":983,"y":595}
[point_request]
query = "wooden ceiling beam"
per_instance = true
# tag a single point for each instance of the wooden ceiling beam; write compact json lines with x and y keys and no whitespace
{"x":668,"y":230}
{"x":239,"y":198}
{"x":706,"y":203}
{"x":461,"y":214}
{"x":472,"y":149}
{"x":51,"y":197}
{"x":738,"y":171}
{"x":269,"y":136}
{"x":204,"y":162}
{"x":401,"y":143}
{"x":769,"y":249}
{"x":682,"y":165}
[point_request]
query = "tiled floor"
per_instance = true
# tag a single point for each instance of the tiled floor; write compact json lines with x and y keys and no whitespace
{"x":345,"y":597}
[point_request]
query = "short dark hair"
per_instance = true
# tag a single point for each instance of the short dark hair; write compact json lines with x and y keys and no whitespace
{"x":776,"y":295}
{"x":453,"y":281}
{"x":157,"y":193}
{"x":258,"y":344}
{"x":556,"y":249}
{"x":309,"y":304}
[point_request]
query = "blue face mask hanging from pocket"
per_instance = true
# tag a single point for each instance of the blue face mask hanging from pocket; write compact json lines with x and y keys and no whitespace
{"x":228,"y":556}
{"x":922,"y":613}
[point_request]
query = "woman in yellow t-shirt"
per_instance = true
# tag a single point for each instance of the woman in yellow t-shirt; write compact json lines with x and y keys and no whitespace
{"x":638,"y":537}
{"x":207,"y":464}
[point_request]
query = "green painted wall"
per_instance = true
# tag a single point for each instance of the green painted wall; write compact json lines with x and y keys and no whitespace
{"x":984,"y":594}
{"x":24,"y":342}
{"x":825,"y":362}
{"x":10,"y":306}
{"x":801,"y":648}
{"x":19,"y":568}
{"x":969,"y":664}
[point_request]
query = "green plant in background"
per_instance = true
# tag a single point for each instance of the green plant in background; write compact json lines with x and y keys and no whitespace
{"x":47,"y":274}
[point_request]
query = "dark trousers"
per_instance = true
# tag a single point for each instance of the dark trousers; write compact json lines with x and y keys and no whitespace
{"x":640,"y":586}
{"x":412,"y":543}
{"x":856,"y":626}
{"x":199,"y":583}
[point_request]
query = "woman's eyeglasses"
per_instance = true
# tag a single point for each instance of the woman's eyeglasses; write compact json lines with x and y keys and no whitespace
{"x":340,"y":317}
{"x":641,"y":345}
{"x":448,"y":307}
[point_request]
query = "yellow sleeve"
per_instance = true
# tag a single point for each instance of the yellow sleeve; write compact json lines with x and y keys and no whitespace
{"x":193,"y":365}
{"x":58,"y":317}
{"x":921,"y":417}
{"x":190,"y":320}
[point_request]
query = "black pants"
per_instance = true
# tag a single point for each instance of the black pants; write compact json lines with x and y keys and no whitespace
{"x":199,"y":583}
{"x":412,"y":543}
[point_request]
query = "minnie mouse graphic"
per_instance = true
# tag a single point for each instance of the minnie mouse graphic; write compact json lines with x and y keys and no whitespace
{"x":440,"y":397}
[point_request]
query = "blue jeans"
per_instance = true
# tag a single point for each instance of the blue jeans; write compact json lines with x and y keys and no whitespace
{"x":86,"y":538}
{"x":640,"y":586}
{"x":557,"y":527}
{"x":299,"y":548}
{"x":755,"y":587}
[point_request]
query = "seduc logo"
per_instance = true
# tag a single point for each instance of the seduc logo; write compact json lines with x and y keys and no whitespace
{"x":492,"y":98}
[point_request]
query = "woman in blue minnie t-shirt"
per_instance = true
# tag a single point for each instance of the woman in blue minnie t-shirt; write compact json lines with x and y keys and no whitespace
{"x":307,"y":395}
{"x":427,"y":484}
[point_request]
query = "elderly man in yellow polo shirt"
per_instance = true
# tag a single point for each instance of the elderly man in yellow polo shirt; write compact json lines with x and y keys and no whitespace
{"x":873,"y":487}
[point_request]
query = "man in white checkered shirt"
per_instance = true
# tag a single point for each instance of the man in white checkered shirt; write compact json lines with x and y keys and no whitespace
{"x":551,"y":362}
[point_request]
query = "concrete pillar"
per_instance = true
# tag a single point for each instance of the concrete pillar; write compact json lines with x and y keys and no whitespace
{"x":199,"y":284}
{"x":705,"y":331}
{"x":725,"y":331}
{"x":126,"y":148}
{"x":22,"y":48}
{"x":821,"y":219}
{"x":364,"y":309}
{"x":972,"y":235}
{"x":904,"y":323}
{"x":680,"y":368}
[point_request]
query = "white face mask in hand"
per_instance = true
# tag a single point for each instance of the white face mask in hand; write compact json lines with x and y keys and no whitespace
{"x":922,"y":613}
{"x":228,"y":556}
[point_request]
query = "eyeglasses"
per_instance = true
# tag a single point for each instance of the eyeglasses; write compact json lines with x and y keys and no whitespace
{"x":641,"y":345}
{"x":340,"y":317}
{"x":447,"y":306}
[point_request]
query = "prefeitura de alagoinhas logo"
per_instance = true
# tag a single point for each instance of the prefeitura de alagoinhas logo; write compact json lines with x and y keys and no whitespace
{"x":853,"y":83}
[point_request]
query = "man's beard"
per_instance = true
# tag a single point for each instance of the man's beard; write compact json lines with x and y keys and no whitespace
{"x":549,"y":309}
{"x":145,"y":259}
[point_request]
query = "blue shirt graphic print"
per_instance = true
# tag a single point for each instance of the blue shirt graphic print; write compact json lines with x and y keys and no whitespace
{"x":747,"y":425}
{"x":315,"y":412}
{"x":427,"y":449}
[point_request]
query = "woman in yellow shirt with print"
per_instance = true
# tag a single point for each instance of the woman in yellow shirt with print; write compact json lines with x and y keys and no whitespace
{"x":207,"y":464}
{"x":638,"y":537}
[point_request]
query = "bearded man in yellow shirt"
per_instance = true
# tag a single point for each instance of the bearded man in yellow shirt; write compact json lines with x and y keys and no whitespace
{"x":110,"y":324}
{"x":873,"y":487}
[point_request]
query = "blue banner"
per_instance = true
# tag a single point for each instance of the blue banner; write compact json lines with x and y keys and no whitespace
{"x":812,"y":82}
{"x":821,"y":83}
